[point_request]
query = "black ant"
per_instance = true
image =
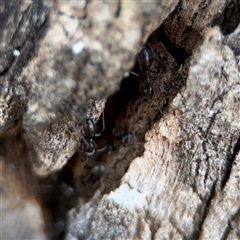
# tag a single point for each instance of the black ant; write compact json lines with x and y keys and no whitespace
{"x":90,"y":131}
{"x":145,"y":59}
{"x":89,"y":147}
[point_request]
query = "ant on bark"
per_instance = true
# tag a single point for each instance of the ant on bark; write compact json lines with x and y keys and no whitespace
{"x":145,"y":59}
{"x":89,"y":147}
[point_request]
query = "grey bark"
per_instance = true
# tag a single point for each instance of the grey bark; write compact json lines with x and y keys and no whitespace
{"x":175,"y":170}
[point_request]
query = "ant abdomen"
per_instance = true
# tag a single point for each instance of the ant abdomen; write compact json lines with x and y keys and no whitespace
{"x":145,"y":58}
{"x":89,"y":128}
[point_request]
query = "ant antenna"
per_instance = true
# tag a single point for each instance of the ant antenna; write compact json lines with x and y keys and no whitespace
{"x":103,"y":125}
{"x":149,"y":45}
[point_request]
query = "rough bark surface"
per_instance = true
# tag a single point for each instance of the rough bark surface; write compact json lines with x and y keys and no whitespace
{"x":171,"y":165}
{"x":186,"y":183}
{"x":66,"y":64}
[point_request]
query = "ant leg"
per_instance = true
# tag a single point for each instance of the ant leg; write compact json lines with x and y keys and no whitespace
{"x":90,"y":154}
{"x":98,"y":134}
{"x":133,"y":73}
{"x":101,"y":150}
{"x":150,"y":46}
{"x":103,"y":125}
{"x":103,"y":121}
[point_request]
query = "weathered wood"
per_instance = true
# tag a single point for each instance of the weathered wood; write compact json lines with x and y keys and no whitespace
{"x":186,"y":183}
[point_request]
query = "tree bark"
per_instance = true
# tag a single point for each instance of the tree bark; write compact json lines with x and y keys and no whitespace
{"x":171,"y":168}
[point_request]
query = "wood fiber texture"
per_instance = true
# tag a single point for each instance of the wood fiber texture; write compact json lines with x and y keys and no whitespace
{"x":171,"y":166}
